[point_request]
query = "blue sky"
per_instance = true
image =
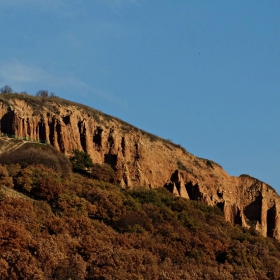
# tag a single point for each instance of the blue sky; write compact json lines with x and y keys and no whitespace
{"x":204,"y":74}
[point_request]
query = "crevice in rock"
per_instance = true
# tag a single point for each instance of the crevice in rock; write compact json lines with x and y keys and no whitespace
{"x":271,"y":221}
{"x":82,"y":131}
{"x":97,"y":137}
{"x":59,"y":137}
{"x":23,"y":125}
{"x":111,"y":141}
{"x":137,"y":155}
{"x":42,"y":130}
{"x":253,"y":211}
{"x":193,"y":191}
{"x":51,"y":129}
{"x":66,"y":119}
{"x":175,"y":177}
{"x":237,"y":218}
{"x":7,"y":123}
{"x":28,"y":127}
{"x":111,"y":159}
{"x":221,"y":205}
{"x":123,"y":146}
{"x":219,"y":194}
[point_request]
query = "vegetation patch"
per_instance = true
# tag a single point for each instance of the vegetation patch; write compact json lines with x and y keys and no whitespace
{"x":81,"y":228}
{"x":210,"y":163}
{"x":103,"y":172}
{"x":37,"y":154}
{"x":181,"y":166}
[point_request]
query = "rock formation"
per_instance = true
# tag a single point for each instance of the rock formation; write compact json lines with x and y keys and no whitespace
{"x":140,"y":158}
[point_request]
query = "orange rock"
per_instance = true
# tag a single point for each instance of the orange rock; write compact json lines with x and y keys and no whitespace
{"x":142,"y":159}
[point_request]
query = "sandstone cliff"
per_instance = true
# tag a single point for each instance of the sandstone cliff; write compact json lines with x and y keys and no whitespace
{"x":140,"y":158}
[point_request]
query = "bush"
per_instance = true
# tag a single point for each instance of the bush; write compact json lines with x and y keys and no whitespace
{"x":39,"y":181}
{"x":6,"y":89}
{"x":65,"y":165}
{"x":30,"y":156}
{"x":181,"y":165}
{"x":35,"y":156}
{"x":103,"y":172}
{"x":81,"y":161}
{"x":52,"y":95}
{"x":210,"y":163}
{"x":5,"y":178}
{"x":42,"y":93}
{"x":45,"y":93}
{"x":146,"y":196}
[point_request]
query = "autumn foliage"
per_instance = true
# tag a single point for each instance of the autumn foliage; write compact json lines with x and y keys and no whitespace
{"x":54,"y":226}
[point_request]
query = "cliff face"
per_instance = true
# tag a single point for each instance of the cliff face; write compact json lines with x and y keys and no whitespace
{"x":142,"y":159}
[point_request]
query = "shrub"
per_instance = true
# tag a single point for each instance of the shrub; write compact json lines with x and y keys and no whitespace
{"x":81,"y":161}
{"x":65,"y":167}
{"x":181,"y":165}
{"x":39,"y":181}
{"x":5,"y":179}
{"x":165,"y":196}
{"x":42,"y":93}
{"x":146,"y":196}
{"x":52,"y":95}
{"x":136,"y":222}
{"x":31,"y":155}
{"x":6,"y":89}
{"x":210,"y":163}
{"x":103,"y":172}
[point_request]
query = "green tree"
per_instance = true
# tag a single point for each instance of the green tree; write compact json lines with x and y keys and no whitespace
{"x":81,"y":161}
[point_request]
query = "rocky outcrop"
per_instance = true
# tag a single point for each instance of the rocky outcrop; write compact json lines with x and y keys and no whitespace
{"x":142,"y":159}
{"x":244,"y":200}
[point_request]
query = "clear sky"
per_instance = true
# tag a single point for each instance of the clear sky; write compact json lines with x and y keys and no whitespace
{"x":204,"y":74}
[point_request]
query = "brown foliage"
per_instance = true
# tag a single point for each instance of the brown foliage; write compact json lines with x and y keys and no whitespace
{"x":32,"y":155}
{"x":5,"y":178}
{"x":103,"y":172}
{"x":79,"y":228}
{"x":39,"y":181}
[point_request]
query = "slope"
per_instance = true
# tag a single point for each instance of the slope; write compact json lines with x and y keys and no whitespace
{"x":78,"y":228}
{"x":140,"y":158}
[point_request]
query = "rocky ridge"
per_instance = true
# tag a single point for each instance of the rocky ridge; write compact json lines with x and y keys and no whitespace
{"x":140,"y":158}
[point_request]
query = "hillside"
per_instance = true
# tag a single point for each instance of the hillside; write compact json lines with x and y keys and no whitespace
{"x":57,"y":225}
{"x":140,"y":158}
{"x":76,"y":220}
